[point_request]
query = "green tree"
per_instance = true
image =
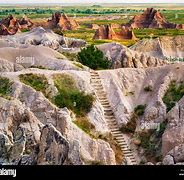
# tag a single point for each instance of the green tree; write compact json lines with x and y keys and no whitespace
{"x":93,"y":58}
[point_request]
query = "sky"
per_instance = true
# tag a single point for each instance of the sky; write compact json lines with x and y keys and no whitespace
{"x":90,"y":1}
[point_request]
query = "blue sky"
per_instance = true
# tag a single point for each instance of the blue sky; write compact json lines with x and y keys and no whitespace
{"x":90,"y":1}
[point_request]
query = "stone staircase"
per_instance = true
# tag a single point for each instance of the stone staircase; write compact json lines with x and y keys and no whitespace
{"x":111,"y":121}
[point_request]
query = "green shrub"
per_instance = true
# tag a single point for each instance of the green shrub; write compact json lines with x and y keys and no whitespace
{"x":148,"y":88}
{"x":147,"y":143}
{"x":174,"y":93}
{"x":139,"y":110}
{"x":93,"y":58}
{"x":69,"y":96}
{"x":36,"y":81}
{"x":5,"y":87}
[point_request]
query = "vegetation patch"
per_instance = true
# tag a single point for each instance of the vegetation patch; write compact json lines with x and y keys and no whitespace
{"x":93,"y":58}
{"x":84,"y":124}
{"x":37,"y":81}
{"x":139,"y":110}
{"x":79,"y":65}
{"x":69,"y":96}
{"x":148,"y":88}
{"x":174,"y":93}
{"x":129,"y":93}
{"x":130,"y":126}
{"x":5,"y":87}
{"x":151,"y":142}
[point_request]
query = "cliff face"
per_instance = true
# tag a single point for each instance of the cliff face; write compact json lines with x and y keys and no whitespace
{"x":162,"y":47}
{"x":62,"y":21}
{"x":47,"y":134}
{"x":125,"y":89}
{"x":108,"y":32}
{"x":122,"y":57}
{"x":151,"y":18}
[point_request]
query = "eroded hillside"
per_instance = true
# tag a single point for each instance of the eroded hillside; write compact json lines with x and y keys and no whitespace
{"x":55,"y":110}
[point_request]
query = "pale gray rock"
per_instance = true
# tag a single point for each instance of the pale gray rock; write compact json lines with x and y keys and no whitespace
{"x":123,"y":57}
{"x":161,"y":47}
{"x":53,"y":147}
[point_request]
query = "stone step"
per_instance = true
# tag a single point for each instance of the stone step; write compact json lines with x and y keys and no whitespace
{"x":122,"y":143}
{"x":96,"y":80}
{"x":117,"y":133}
{"x":102,"y":98}
{"x":121,"y":140}
{"x":114,"y":130}
{"x":106,"y":106}
{"x":101,"y":93}
{"x":126,"y":151}
{"x":93,"y":76}
{"x":124,"y":148}
{"x":94,"y":73}
{"x":97,"y":85}
{"x":104,"y":103}
{"x":112,"y":123}
{"x":114,"y":127}
{"x":108,"y":113}
{"x":107,"y":109}
{"x":130,"y":155}
{"x":109,"y":117}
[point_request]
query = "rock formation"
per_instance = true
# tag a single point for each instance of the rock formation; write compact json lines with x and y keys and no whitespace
{"x":62,"y":21}
{"x":151,"y":18}
{"x":11,"y":25}
{"x":34,"y":131}
{"x":105,"y":32}
{"x":40,"y":36}
{"x":165,"y":47}
{"x":126,"y":33}
{"x":121,"y":56}
{"x":4,"y":30}
{"x":108,"y":32}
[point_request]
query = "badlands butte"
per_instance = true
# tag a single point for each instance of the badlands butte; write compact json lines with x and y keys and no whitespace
{"x":64,"y":102}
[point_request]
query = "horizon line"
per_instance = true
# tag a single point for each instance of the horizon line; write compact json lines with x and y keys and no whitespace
{"x":92,"y":3}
